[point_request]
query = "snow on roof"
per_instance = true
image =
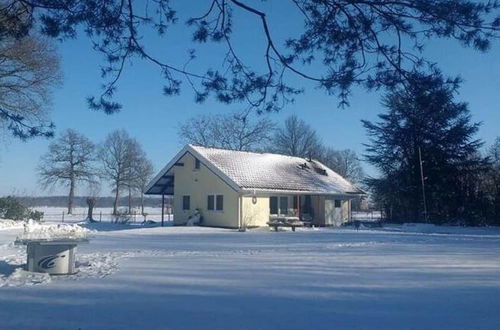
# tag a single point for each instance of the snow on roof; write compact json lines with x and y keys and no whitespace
{"x":266,"y":171}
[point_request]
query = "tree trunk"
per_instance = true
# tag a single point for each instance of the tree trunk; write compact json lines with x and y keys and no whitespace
{"x":129,"y":200}
{"x":142,"y":203}
{"x":71,"y":196}
{"x":115,"y":204}
{"x":90,"y":212}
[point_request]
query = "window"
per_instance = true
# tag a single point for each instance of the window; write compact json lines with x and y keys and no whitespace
{"x":186,"y":201}
{"x":278,"y":205}
{"x":307,"y":204}
{"x":215,"y":202}
{"x":284,"y":205}
{"x":273,"y":204}
{"x":219,"y":203}
{"x":196,"y":164}
{"x":210,"y":202}
{"x":337,"y":202}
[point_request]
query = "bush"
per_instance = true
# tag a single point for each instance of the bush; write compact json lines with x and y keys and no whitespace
{"x":36,"y":215}
{"x":122,"y":216}
{"x":11,"y":208}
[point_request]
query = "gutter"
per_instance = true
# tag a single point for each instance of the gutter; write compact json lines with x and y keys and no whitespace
{"x":252,"y":192}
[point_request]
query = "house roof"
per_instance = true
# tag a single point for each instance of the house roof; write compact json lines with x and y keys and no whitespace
{"x":256,"y":172}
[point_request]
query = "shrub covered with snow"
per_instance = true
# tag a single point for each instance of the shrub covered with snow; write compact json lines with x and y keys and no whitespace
{"x":7,"y":223}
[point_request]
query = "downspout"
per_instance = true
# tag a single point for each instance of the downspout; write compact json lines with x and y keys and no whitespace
{"x":298,"y":207}
{"x":240,"y":217}
{"x":349,"y":209}
{"x":162,"y":208}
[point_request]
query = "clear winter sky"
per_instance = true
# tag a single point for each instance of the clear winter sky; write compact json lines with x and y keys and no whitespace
{"x":153,"y":118}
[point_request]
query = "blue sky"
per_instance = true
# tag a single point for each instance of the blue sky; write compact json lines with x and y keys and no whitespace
{"x":153,"y":118}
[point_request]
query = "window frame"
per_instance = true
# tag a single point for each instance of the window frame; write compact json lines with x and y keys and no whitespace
{"x":210,"y":203}
{"x":337,"y":202}
{"x":283,"y":200}
{"x":184,"y":199}
{"x":213,"y":198}
{"x":221,"y":209}
{"x":279,"y":205}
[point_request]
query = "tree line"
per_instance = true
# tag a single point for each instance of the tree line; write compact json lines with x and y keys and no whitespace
{"x":73,"y":159}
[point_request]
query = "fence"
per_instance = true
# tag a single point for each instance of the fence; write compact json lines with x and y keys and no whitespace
{"x":103,"y":215}
{"x":371,"y":215}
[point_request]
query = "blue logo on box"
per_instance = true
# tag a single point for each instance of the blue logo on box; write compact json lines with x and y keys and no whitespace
{"x":48,"y":262}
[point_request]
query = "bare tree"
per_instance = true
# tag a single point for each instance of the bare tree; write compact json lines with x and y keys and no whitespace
{"x":296,"y":138}
{"x":144,"y":171}
{"x":29,"y":70}
{"x":94,"y":189}
{"x":69,"y":160}
{"x":125,"y":166}
{"x":133,"y":156}
{"x":139,"y":172}
{"x":237,"y":131}
{"x":114,"y":155}
{"x":344,"y":162}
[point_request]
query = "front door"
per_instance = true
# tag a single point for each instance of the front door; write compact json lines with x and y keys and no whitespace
{"x":333,"y":212}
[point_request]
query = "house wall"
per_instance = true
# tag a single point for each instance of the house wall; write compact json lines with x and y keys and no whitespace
{"x":346,"y":211}
{"x":198,"y":184}
{"x":255,"y":215}
{"x":323,"y":205}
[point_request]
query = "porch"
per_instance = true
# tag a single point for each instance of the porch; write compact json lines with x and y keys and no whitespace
{"x":318,"y":210}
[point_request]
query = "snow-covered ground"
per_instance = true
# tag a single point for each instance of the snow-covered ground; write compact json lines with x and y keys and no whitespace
{"x":132,"y":277}
{"x":7,"y":224}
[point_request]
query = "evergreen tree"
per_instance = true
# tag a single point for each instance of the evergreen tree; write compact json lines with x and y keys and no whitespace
{"x":424,"y":117}
{"x":336,"y":45}
{"x":491,"y":183}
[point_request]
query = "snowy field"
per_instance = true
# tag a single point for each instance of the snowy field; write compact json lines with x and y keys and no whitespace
{"x":401,"y":277}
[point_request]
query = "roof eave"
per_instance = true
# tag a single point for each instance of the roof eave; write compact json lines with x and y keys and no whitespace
{"x":190,"y":149}
{"x":257,"y":191}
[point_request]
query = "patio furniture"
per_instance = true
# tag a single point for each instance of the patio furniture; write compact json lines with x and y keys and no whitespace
{"x":285,"y":221}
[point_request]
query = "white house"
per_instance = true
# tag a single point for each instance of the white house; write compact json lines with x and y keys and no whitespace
{"x":245,"y":189}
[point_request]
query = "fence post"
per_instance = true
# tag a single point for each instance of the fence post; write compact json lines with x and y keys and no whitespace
{"x":100,"y":216}
{"x":162,"y":208}
{"x":62,"y":216}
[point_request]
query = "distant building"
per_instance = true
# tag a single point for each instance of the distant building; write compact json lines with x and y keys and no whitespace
{"x":237,"y":189}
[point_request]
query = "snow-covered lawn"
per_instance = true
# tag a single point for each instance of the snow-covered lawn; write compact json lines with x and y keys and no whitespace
{"x":204,"y":278}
